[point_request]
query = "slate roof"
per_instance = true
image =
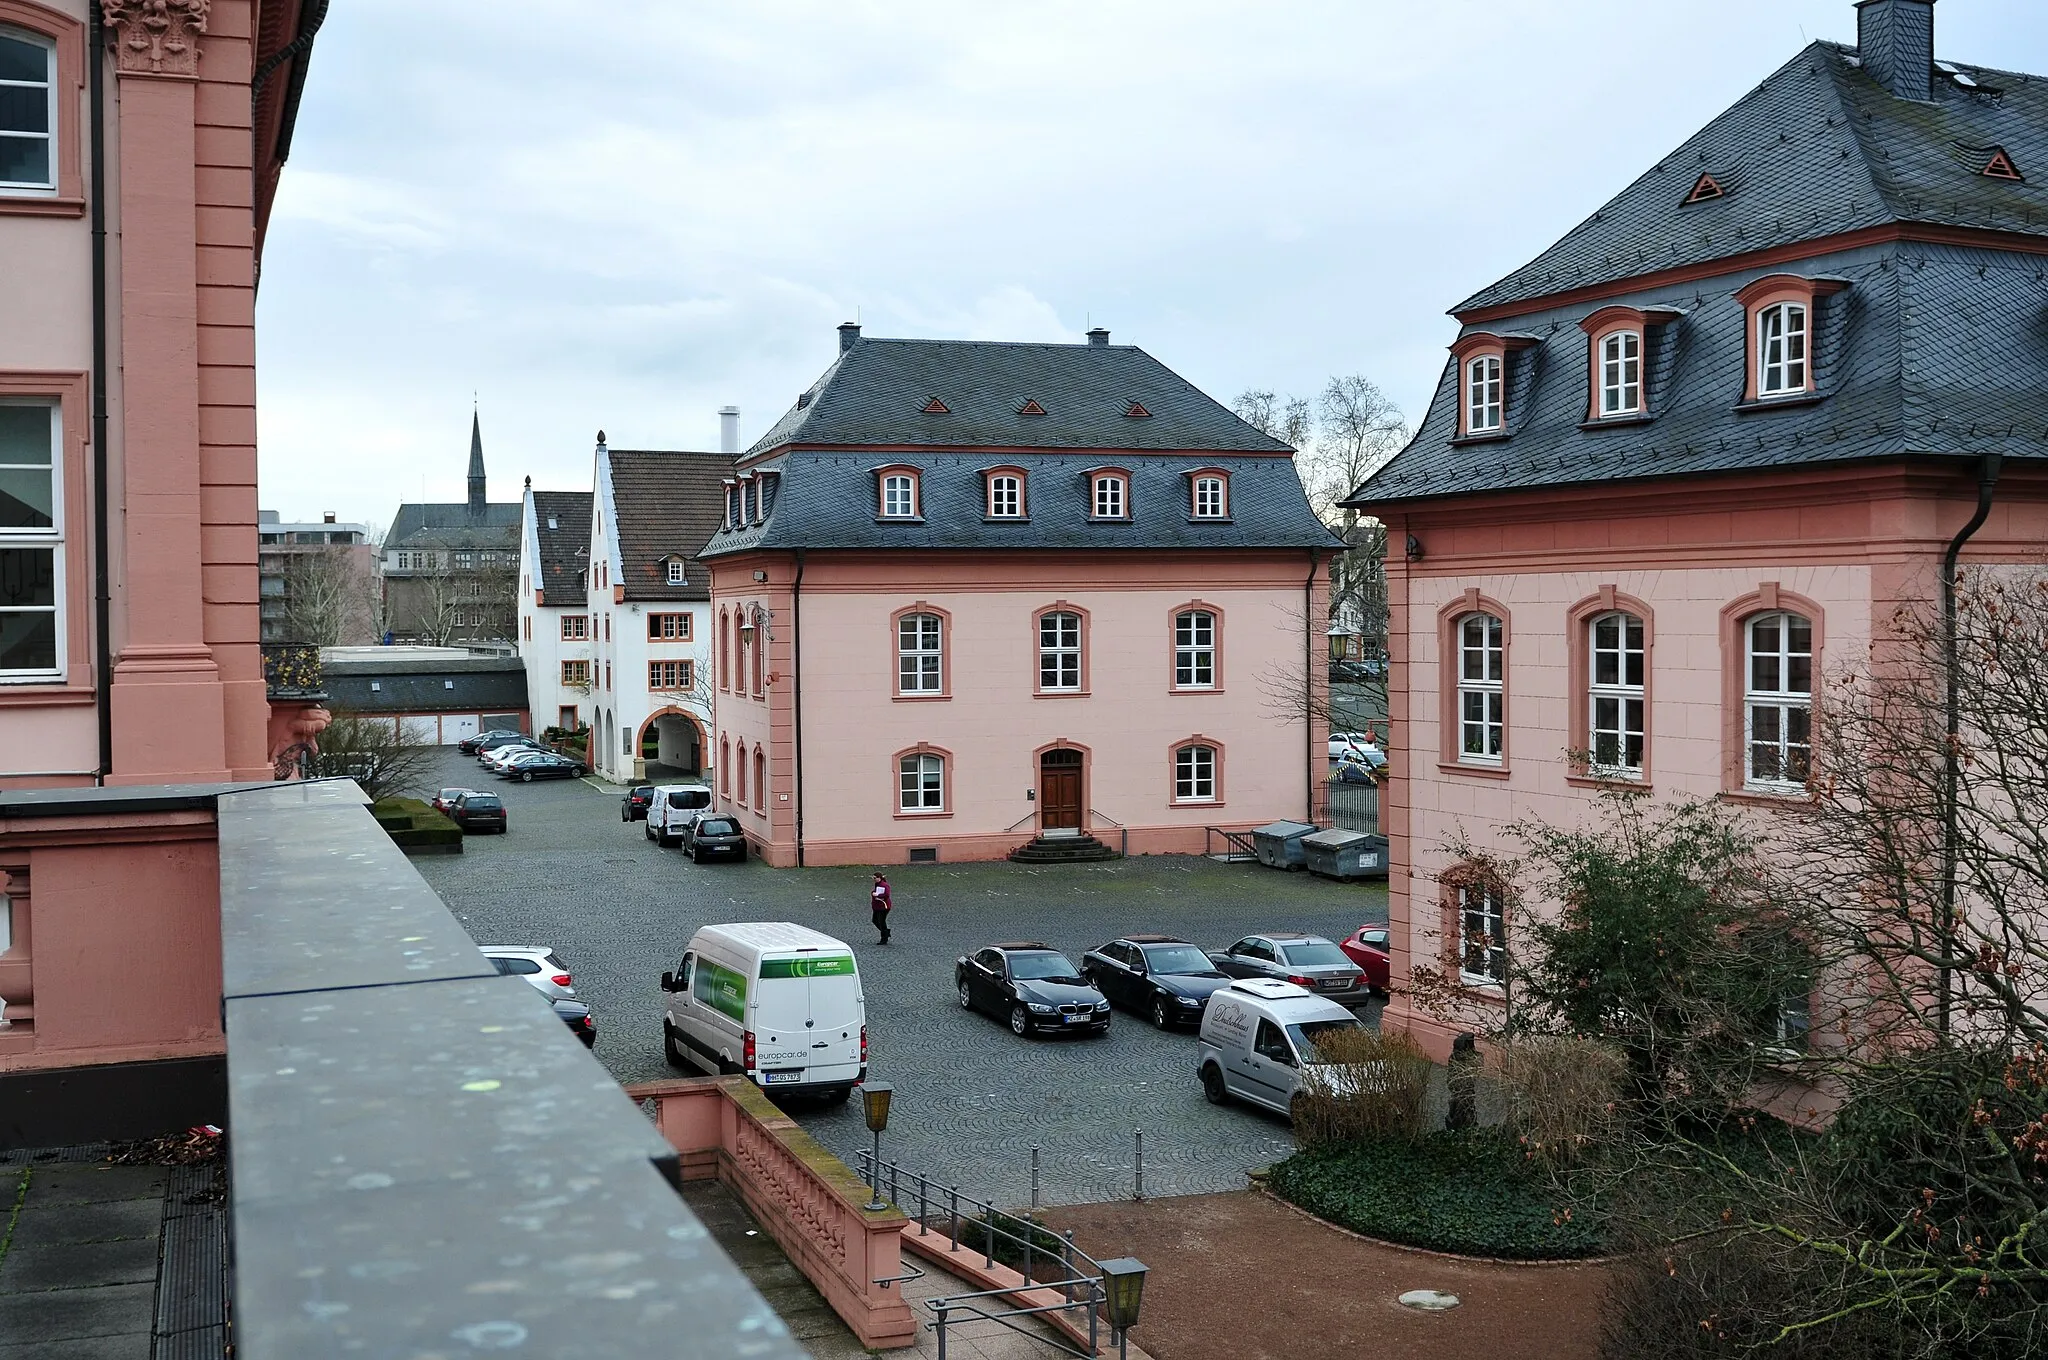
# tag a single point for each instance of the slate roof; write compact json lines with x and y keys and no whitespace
{"x":565,"y":549}
{"x":481,"y":684}
{"x":451,"y":526}
{"x":826,"y":499}
{"x":666,"y":503}
{"x":1817,"y":149}
{"x":876,"y":391}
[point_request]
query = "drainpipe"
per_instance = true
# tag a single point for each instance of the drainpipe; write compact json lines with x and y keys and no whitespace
{"x":1308,"y":683}
{"x":1987,"y":482}
{"x":796,"y":698}
{"x":103,"y":630}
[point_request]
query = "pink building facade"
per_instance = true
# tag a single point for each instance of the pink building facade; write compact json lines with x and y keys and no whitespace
{"x":968,"y":595}
{"x":1653,"y":513}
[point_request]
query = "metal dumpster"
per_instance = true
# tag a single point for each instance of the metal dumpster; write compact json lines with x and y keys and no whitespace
{"x":1346,"y":855}
{"x":1279,"y":843}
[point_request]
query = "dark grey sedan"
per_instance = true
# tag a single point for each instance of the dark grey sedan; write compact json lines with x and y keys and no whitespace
{"x":714,"y":838}
{"x":1157,"y":975}
{"x":1305,"y":960}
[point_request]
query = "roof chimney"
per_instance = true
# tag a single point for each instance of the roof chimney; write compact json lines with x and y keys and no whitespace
{"x":849,"y":331}
{"x":728,"y":429}
{"x":1098,"y":336}
{"x":327,"y":518}
{"x":1895,"y":43}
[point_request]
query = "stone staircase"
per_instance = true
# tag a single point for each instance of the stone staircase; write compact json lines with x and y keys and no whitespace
{"x":1071,"y":847}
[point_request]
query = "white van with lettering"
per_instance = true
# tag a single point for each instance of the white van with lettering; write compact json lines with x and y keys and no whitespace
{"x":779,"y":1002}
{"x":1257,"y":1036}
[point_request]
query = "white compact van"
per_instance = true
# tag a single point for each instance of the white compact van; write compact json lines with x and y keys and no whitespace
{"x":779,"y":1002}
{"x":1257,"y":1036}
{"x":672,"y":808}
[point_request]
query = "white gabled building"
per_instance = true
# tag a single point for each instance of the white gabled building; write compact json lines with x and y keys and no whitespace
{"x":650,"y":702}
{"x":556,"y":624}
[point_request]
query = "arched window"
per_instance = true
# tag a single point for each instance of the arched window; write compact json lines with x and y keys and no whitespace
{"x":899,"y":495}
{"x":1615,"y":697}
{"x":1621,"y":373}
{"x":920,"y":656}
{"x":1483,"y":409}
{"x":1194,"y":649}
{"x":1006,"y":495}
{"x":724,"y":650}
{"x":1781,"y":349}
{"x":1482,"y":690}
{"x":1059,"y":652}
{"x":1112,"y":496}
{"x":761,"y":778}
{"x":1778,"y":701}
{"x":739,"y":776}
{"x":725,"y":766}
{"x":1194,"y":773}
{"x":1211,"y":496}
{"x":921,"y":782}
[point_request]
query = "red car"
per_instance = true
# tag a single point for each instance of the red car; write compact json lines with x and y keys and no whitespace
{"x":445,"y":799}
{"x":1367,"y":947}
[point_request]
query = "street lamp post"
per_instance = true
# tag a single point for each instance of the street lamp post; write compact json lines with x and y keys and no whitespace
{"x":1123,"y":1288}
{"x":874,"y":1107}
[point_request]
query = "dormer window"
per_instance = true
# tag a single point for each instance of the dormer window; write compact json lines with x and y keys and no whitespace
{"x":898,"y":487}
{"x":1005,"y":493}
{"x":1110,"y":495}
{"x":1781,"y":350}
{"x":732,"y":505}
{"x":1486,"y":370}
{"x":1484,"y":409}
{"x":1784,"y":325}
{"x":675,"y":571}
{"x":1621,"y":373}
{"x":1209,"y":495}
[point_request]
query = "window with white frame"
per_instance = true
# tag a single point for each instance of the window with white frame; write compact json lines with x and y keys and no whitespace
{"x":464,"y":561}
{"x":1194,"y":649}
{"x":671,"y":675}
{"x":1482,"y":935}
{"x":920,"y":663}
{"x":675,"y":571}
{"x":921,"y":783}
{"x":31,"y":540}
{"x":576,"y":672}
{"x":28,"y":112}
{"x":1482,"y":394}
{"x":1111,"y":498}
{"x":1621,"y":373}
{"x":1615,"y":720}
{"x":1482,"y":690}
{"x":668,"y":628}
{"x":732,"y":507}
{"x":1006,"y":496}
{"x":1209,"y":498}
{"x":1794,"y":1023}
{"x":1194,"y":774}
{"x":1778,"y":703}
{"x":1059,"y":651}
{"x":1781,"y":349}
{"x":899,"y":496}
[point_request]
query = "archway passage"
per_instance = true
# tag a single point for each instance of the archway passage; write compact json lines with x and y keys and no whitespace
{"x":1059,"y":790}
{"x":673,"y":747}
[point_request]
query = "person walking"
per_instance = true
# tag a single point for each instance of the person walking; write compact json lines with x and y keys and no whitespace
{"x":879,"y":902}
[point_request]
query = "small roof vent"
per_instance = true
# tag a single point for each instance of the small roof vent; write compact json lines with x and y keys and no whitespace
{"x":1136,"y":410}
{"x":935,"y":407}
{"x":552,"y":524}
{"x":1030,"y":407}
{"x":1704,"y":189}
{"x":2000,"y":166}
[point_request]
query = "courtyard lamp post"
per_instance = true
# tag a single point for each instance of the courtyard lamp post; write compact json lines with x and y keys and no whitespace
{"x":874,"y":1107}
{"x":1123,"y":1288}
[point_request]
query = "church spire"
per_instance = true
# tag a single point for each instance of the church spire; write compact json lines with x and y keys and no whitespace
{"x":476,"y":464}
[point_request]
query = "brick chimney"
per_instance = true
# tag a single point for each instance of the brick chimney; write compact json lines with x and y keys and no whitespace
{"x":849,"y":331}
{"x":1099,"y":336}
{"x":1895,"y":43}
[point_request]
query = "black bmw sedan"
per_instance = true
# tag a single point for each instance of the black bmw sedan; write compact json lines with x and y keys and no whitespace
{"x":1160,"y":976}
{"x":1033,"y":986}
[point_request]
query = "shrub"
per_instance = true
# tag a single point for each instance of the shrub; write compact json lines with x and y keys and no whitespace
{"x":1563,"y":1094}
{"x":1471,"y":1192}
{"x":1371,"y":1084}
{"x":414,"y":825}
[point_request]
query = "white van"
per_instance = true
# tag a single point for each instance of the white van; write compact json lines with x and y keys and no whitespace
{"x":672,"y":808}
{"x":1257,"y":1035}
{"x":779,"y":1002}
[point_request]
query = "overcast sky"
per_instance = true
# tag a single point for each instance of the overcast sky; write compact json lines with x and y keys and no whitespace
{"x":623,"y":214}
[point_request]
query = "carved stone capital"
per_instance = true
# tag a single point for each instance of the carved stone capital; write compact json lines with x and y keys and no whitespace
{"x":156,"y":37}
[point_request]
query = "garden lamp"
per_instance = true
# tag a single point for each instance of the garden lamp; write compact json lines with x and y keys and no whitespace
{"x":874,"y":1107}
{"x":1123,"y":1288}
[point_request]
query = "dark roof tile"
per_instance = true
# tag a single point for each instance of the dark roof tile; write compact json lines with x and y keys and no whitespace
{"x":562,"y":528}
{"x":667,"y":504}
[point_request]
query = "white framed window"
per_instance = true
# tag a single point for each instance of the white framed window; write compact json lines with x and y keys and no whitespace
{"x":1210,"y":502}
{"x":28,"y":112}
{"x":1006,"y":496}
{"x":921,"y":783}
{"x":31,"y":540}
{"x":920,"y":660}
{"x":1482,"y":935}
{"x":1483,"y":394}
{"x":1194,"y":649}
{"x":1111,"y":498}
{"x":1781,"y":349}
{"x":1482,"y":690}
{"x":732,"y":507}
{"x":1621,"y":373}
{"x":1616,"y":694}
{"x":899,"y":496}
{"x":1778,"y":701}
{"x":675,"y":572}
{"x":1059,"y":651}
{"x":1194,"y":774}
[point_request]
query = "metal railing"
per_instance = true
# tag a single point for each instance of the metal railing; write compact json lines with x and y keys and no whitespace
{"x":1237,"y":845}
{"x":1123,"y":832}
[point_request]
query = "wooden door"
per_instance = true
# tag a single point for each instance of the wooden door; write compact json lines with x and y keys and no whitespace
{"x":1059,"y":791}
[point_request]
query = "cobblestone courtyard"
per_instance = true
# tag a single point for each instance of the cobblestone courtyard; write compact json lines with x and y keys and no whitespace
{"x":971,"y":1098}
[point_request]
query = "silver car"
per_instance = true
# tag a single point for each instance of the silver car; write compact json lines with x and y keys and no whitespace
{"x":537,"y":964}
{"x":1307,"y":961}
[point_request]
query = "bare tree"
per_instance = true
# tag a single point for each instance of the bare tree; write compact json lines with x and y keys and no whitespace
{"x":330,"y":597}
{"x":454,"y":594}
{"x":379,"y":753}
{"x":1287,"y":419}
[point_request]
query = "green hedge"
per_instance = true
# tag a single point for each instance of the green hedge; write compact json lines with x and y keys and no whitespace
{"x":1471,"y":1193}
{"x":414,"y":825}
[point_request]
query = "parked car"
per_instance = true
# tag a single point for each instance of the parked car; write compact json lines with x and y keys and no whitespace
{"x":1357,"y":672}
{"x":577,"y":1017}
{"x":497,"y":759}
{"x":779,"y":1002}
{"x":1368,"y":949}
{"x":538,"y":964}
{"x":673,"y":808}
{"x":504,"y":748}
{"x":633,"y":807}
{"x":474,"y":810}
{"x":1258,"y":1036}
{"x":1343,"y":743}
{"x":1307,"y":961}
{"x":543,"y":765}
{"x":445,"y":799}
{"x":1033,"y":986}
{"x":1162,"y":976}
{"x":1359,"y":767}
{"x":713,"y":837}
{"x":484,"y":741}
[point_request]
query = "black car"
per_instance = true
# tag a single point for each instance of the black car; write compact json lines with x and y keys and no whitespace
{"x":633,"y":807}
{"x":1305,"y":960}
{"x":546,"y":765}
{"x":1161,"y":976}
{"x":1033,"y":986}
{"x":710,"y":837}
{"x":473,"y":811}
{"x":577,"y":1017}
{"x":484,"y":741}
